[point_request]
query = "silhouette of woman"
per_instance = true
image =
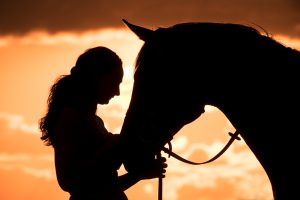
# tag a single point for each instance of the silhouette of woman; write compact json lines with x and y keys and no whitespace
{"x":87,"y":156}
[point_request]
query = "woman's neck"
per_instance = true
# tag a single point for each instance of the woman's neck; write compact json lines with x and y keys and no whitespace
{"x":86,"y":107}
{"x":90,"y":108}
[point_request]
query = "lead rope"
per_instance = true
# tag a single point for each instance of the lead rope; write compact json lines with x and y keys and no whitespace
{"x":234,"y":136}
{"x":160,"y":182}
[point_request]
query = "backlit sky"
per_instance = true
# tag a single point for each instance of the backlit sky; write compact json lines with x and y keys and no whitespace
{"x":40,"y":40}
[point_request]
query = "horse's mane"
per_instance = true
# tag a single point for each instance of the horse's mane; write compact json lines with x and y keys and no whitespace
{"x":197,"y":30}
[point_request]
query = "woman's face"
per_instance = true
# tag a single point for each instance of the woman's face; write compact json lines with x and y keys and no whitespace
{"x":109,"y":86}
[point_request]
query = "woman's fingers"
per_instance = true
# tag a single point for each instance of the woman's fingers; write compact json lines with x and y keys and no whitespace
{"x":161,"y":166}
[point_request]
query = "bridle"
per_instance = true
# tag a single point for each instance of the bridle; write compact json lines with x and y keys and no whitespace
{"x":234,"y":136}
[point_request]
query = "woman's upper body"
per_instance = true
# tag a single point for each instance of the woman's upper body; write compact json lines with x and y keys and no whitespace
{"x":87,"y":156}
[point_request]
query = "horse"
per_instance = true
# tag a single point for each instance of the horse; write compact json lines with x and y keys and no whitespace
{"x":248,"y":75}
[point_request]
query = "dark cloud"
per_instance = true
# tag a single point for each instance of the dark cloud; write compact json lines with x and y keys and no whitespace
{"x":19,"y":17}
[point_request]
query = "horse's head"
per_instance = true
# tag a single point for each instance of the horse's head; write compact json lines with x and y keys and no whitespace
{"x":164,"y":98}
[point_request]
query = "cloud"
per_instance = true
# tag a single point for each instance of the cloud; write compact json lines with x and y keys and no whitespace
{"x":16,"y":122}
{"x":19,"y":138}
{"x":40,"y":166}
{"x":67,"y":38}
{"x":22,"y":150}
{"x":17,"y":184}
{"x":277,"y":16}
{"x":47,"y":174}
{"x":5,"y":157}
{"x":289,"y":41}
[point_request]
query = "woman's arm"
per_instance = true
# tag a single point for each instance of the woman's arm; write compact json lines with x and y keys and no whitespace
{"x":127,"y":180}
{"x":157,"y":169}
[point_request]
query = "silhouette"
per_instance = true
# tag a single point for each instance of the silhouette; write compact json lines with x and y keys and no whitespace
{"x":249,"y":76}
{"x":87,"y":156}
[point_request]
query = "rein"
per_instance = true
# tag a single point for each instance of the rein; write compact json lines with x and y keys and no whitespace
{"x":234,"y":136}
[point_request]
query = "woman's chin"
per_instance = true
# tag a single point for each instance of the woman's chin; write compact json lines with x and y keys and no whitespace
{"x":103,"y":101}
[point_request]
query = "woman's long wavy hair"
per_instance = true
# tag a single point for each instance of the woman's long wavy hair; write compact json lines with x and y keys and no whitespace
{"x":77,"y":87}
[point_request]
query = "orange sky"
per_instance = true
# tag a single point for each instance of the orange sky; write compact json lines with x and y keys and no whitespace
{"x":30,"y":64}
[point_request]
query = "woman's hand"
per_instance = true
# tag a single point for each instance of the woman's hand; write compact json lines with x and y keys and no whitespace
{"x":155,"y":169}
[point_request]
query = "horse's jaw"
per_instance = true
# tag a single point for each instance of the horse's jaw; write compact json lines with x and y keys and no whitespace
{"x":142,"y":139}
{"x":145,"y":133}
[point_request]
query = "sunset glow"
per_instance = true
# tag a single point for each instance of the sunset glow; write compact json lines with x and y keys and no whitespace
{"x":29,"y":66}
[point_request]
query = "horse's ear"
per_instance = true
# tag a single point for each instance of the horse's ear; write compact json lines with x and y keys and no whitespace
{"x":143,"y":33}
